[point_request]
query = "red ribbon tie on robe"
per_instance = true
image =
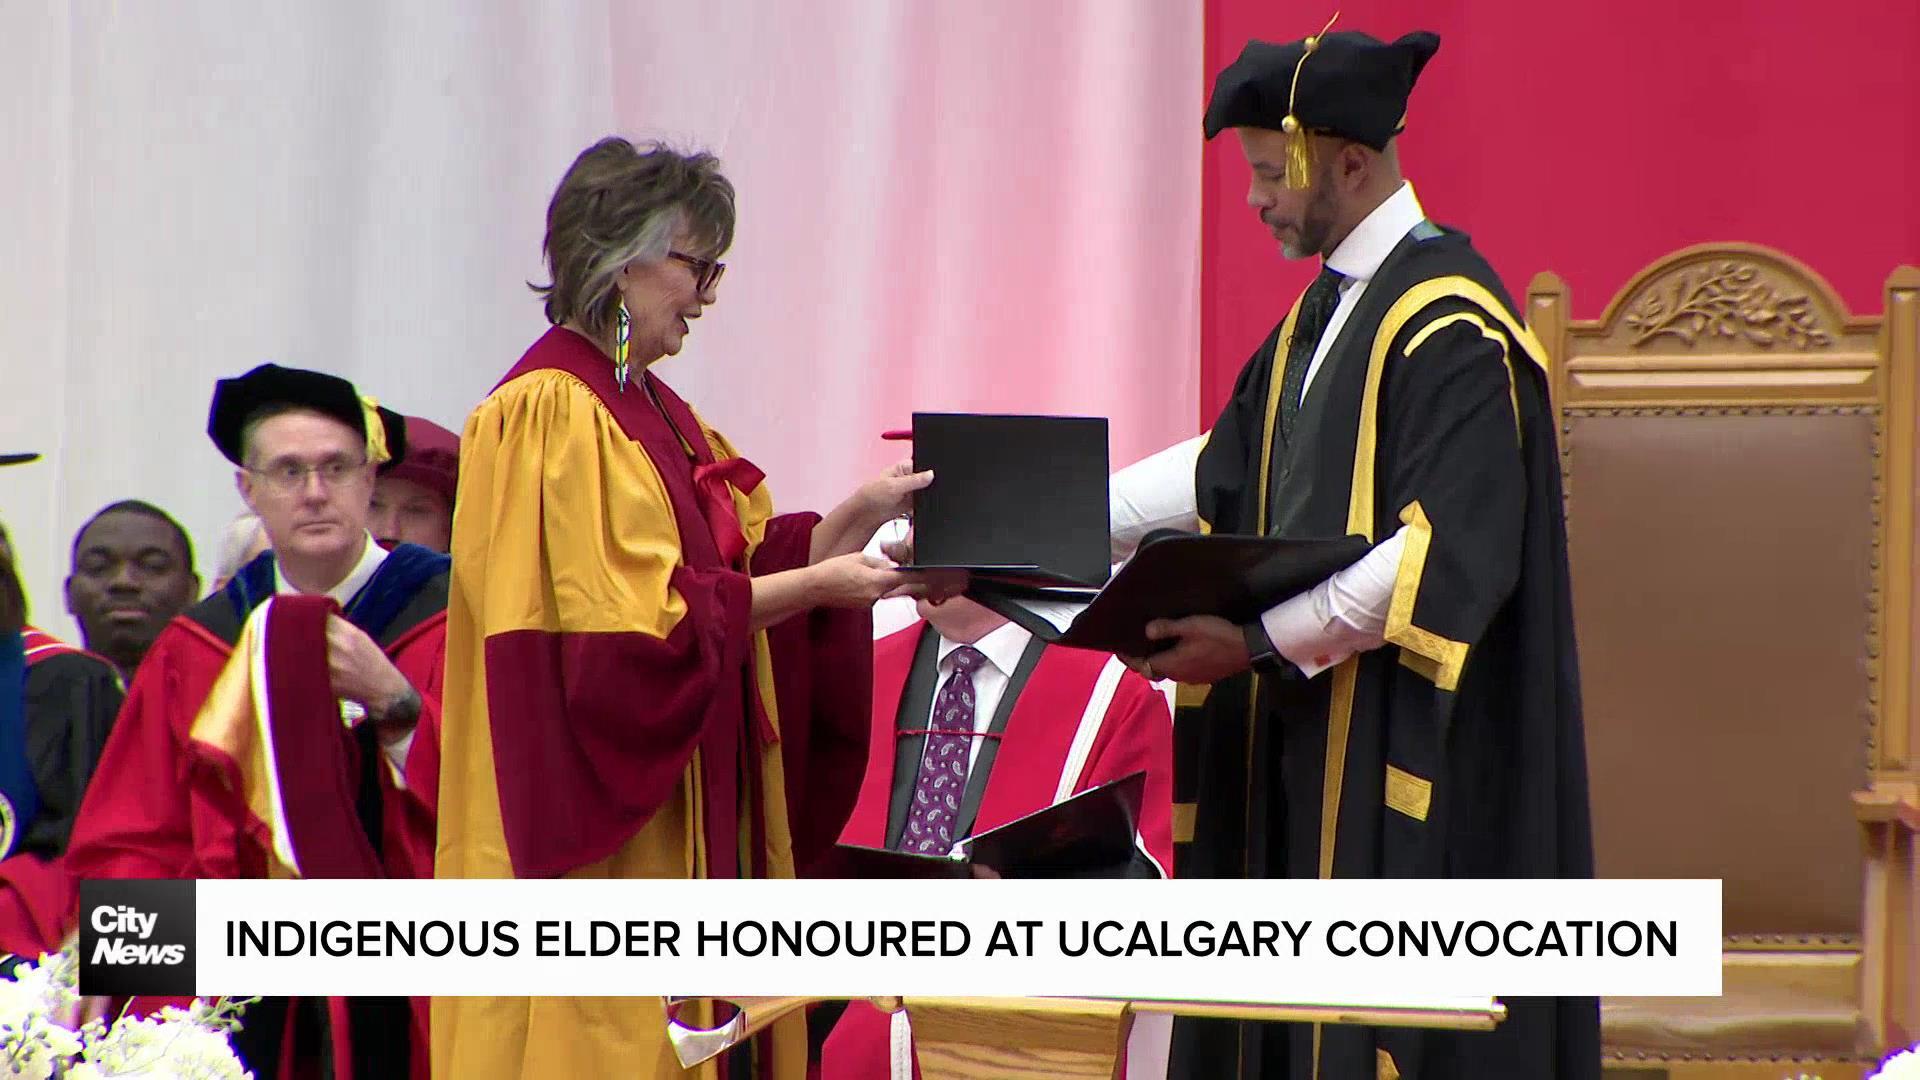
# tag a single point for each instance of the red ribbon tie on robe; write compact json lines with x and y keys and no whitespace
{"x":711,"y":481}
{"x":716,"y":502}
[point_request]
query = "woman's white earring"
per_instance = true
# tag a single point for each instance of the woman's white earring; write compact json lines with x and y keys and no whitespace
{"x":623,"y":327}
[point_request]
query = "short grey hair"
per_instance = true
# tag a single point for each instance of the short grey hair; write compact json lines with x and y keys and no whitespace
{"x":620,"y":204}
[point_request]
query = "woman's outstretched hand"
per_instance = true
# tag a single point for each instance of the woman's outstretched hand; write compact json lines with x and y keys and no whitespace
{"x":853,"y":523}
{"x":856,"y":580}
{"x":891,"y":495}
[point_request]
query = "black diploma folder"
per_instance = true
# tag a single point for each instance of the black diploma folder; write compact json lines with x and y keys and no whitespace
{"x":1021,"y":496}
{"x":1172,"y":575}
{"x":1087,"y":834}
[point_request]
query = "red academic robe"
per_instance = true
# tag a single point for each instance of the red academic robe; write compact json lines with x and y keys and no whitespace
{"x":1080,"y":721}
{"x":177,"y":791}
{"x":40,"y":645}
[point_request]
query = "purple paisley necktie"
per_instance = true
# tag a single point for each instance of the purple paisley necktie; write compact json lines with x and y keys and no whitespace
{"x":943,"y":766}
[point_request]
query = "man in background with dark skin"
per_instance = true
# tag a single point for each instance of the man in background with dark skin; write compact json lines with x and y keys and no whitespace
{"x":132,"y":572}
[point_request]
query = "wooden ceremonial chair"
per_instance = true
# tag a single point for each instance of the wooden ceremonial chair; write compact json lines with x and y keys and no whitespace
{"x":1739,"y":458}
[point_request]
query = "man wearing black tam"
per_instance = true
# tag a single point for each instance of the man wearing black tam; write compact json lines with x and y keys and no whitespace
{"x":1418,"y":714}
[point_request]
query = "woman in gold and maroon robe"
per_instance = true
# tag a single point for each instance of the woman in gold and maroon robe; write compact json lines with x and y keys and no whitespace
{"x":645,"y":676}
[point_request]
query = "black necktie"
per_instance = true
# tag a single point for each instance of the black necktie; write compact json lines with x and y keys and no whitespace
{"x":1316,"y":308}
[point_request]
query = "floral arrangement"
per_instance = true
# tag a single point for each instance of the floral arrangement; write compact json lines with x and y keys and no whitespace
{"x":1904,"y":1065}
{"x":42,"y":1039}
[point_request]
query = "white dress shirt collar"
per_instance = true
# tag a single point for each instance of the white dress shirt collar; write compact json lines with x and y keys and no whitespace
{"x":1002,"y":647}
{"x":370,"y":560}
{"x":1359,"y":256}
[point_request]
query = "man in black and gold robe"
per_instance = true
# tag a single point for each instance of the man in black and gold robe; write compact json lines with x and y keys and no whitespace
{"x":1417,"y":715}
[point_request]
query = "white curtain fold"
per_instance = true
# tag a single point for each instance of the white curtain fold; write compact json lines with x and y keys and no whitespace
{"x":982,"y":206}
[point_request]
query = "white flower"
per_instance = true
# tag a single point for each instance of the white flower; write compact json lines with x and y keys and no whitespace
{"x":61,"y":1041}
{"x":42,"y":1047}
{"x":198,"y":1013}
{"x":170,"y":1047}
{"x":41,"y":989}
{"x":33,"y":1045}
{"x":17,"y":1003}
{"x":1904,"y":1065}
{"x":177,"y":1044}
{"x":30,"y":1066}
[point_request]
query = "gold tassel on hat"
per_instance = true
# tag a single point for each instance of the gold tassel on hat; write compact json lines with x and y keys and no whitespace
{"x":1299,"y":154}
{"x":1299,"y":172}
{"x":377,"y":452}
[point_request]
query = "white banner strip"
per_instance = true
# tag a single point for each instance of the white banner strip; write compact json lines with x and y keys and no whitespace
{"x":1352,"y":941}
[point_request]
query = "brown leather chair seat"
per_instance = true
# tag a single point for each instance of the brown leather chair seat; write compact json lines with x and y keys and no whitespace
{"x":1798,"y":1005}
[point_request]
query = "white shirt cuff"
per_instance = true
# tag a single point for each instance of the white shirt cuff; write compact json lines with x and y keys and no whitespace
{"x":1341,"y":616}
{"x":1300,"y":634}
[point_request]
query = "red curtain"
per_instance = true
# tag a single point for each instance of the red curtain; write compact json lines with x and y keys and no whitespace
{"x":1589,"y":137}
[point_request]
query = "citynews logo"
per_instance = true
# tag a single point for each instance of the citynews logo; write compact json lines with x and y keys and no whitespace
{"x":136,"y":938}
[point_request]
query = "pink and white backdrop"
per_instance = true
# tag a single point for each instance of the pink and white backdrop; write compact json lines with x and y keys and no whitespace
{"x":990,"y":205}
{"x":944,"y":204}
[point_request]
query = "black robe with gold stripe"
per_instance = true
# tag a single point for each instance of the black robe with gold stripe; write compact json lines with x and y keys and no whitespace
{"x":1456,"y":749}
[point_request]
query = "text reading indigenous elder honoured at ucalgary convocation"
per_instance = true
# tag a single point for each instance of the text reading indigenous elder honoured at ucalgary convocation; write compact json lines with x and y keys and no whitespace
{"x":934,"y":937}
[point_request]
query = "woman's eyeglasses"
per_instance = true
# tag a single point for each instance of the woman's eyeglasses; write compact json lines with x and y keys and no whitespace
{"x":706,"y":272}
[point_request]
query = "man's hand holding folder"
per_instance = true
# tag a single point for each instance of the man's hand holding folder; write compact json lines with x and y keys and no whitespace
{"x":1200,"y":649}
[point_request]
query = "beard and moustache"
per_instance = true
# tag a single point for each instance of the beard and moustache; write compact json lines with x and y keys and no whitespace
{"x":1315,"y":227}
